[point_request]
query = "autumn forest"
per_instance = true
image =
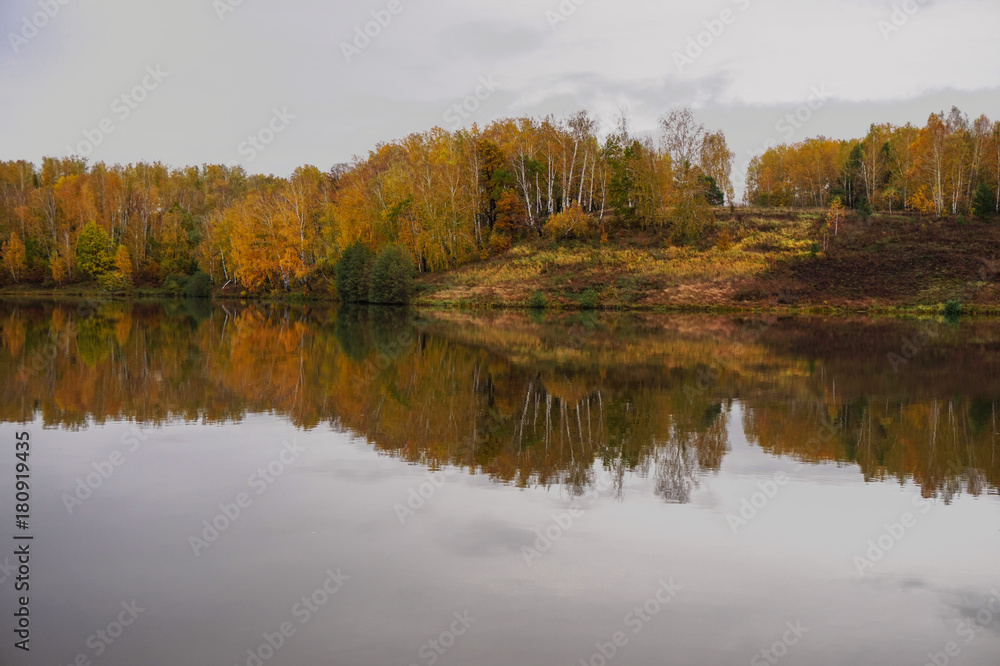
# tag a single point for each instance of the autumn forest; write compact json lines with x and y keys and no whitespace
{"x":450,"y":198}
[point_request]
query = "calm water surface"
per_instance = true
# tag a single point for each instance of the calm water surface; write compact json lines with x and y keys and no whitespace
{"x":446,"y":488}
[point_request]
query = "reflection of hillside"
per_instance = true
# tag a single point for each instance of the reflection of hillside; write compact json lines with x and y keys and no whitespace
{"x":525,"y":401}
{"x":814,"y":389}
{"x":934,"y":420}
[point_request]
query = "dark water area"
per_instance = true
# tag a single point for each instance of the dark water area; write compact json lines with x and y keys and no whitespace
{"x":373,"y":486}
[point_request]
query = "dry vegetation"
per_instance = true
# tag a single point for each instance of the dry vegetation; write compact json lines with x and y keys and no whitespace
{"x":762,"y":259}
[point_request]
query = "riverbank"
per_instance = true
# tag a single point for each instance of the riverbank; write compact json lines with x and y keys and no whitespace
{"x":771,"y":261}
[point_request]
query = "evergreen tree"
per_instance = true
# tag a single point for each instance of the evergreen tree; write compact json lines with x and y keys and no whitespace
{"x":391,"y":281}
{"x":352,"y":273}
{"x":983,"y":203}
{"x":714,"y":195}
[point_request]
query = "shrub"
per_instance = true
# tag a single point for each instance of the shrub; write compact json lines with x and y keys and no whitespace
{"x":813,"y":249}
{"x":571,"y":223}
{"x":198,"y":285}
{"x":174,"y":285}
{"x":724,"y":242}
{"x":538,"y":301}
{"x":113,"y":282}
{"x":589,"y":300}
{"x":352,"y":273}
{"x":391,"y":279}
{"x":499,"y":242}
{"x":952,"y":309}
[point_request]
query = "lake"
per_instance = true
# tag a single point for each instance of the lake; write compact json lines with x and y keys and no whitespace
{"x":241,"y":484}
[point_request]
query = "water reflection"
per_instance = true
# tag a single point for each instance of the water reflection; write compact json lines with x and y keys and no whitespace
{"x":529,"y":399}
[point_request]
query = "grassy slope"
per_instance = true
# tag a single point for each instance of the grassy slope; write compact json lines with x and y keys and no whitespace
{"x":890,"y":263}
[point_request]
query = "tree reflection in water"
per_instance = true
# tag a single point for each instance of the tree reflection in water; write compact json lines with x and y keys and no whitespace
{"x":527,"y":399}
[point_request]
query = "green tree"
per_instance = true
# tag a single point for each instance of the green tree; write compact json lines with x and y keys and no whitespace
{"x":391,"y":281}
{"x":864,"y":209}
{"x":92,"y":251}
{"x":714,"y":195}
{"x":198,"y":285}
{"x":352,"y":273}
{"x":983,"y":202}
{"x":623,"y":156}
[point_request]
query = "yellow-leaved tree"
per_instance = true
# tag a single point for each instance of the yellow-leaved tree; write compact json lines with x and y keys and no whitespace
{"x":14,"y":259}
{"x":835,"y":215}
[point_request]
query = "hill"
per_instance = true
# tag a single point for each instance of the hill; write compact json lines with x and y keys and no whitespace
{"x":753,"y":259}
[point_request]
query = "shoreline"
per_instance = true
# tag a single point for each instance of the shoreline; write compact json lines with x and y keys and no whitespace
{"x":782,"y":263}
{"x":982,"y":311}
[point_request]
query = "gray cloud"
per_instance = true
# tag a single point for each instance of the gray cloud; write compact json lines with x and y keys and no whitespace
{"x":227,"y":76}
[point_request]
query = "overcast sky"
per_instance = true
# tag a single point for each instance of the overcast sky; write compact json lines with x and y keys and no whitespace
{"x":227,"y":65}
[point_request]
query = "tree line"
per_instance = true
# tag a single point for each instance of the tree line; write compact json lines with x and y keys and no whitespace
{"x":443,"y":198}
{"x":951,"y":166}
